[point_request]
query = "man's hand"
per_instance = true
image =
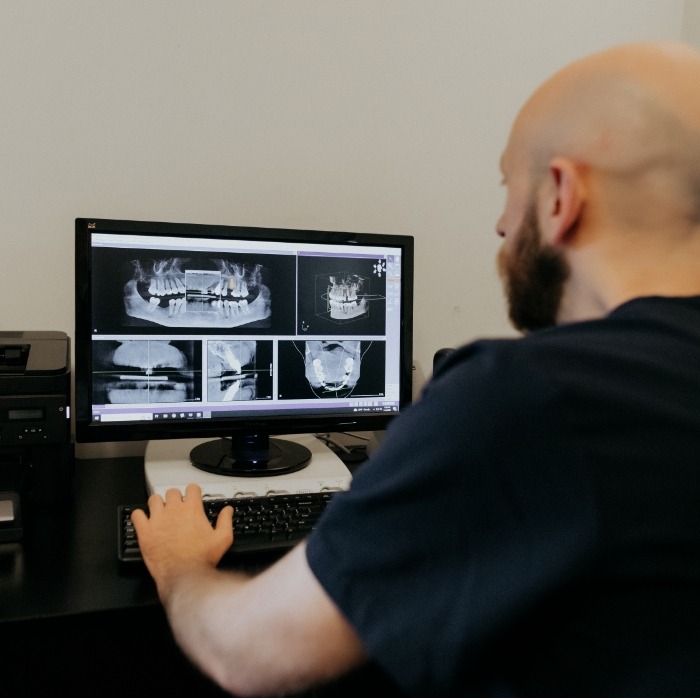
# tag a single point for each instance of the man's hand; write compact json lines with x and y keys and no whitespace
{"x":176,"y":536}
{"x":274,"y":633}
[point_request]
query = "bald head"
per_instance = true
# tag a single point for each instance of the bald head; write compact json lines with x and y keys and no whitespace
{"x":632,"y":110}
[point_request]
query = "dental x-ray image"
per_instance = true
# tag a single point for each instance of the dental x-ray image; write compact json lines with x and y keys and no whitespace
{"x":341,"y":295}
{"x":239,"y":370}
{"x":334,"y":368}
{"x":173,"y":293}
{"x":144,"y":371}
{"x":153,"y":290}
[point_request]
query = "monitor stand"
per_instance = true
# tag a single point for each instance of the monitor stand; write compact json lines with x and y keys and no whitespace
{"x":251,"y":454}
{"x":167,"y":464}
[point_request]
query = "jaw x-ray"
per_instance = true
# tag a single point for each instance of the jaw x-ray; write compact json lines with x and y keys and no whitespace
{"x":178,"y":292}
{"x":341,"y":296}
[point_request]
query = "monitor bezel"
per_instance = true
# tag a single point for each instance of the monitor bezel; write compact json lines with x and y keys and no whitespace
{"x":88,"y":432}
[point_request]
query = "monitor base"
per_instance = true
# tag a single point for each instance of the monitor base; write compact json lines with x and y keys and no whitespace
{"x":250,"y":455}
{"x":167,"y":465}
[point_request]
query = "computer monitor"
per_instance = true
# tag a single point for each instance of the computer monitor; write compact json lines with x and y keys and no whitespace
{"x":239,"y":333}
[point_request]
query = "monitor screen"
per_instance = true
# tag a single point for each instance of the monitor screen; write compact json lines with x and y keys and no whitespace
{"x":239,"y":333}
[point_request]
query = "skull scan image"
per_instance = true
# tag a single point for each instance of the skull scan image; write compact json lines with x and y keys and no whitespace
{"x":163,"y":291}
{"x":344,"y":296}
{"x":147,"y":371}
{"x":231,"y":371}
{"x":332,"y":367}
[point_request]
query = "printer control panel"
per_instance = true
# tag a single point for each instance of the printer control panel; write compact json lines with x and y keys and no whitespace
{"x":33,"y":419}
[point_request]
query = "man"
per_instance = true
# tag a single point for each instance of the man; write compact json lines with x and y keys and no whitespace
{"x":531,"y":526}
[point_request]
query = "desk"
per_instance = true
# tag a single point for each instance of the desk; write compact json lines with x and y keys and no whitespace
{"x":66,"y":563}
{"x":74,"y":621}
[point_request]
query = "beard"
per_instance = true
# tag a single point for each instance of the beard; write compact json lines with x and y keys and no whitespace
{"x":533,"y":277}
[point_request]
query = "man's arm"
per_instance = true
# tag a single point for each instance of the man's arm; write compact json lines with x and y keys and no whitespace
{"x":272,"y":633}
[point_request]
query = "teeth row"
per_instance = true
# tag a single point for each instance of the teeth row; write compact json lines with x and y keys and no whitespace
{"x":178,"y":305}
{"x":231,"y":308}
{"x":346,"y":308}
{"x":173,"y":286}
{"x":343,"y":293}
{"x":321,"y":374}
{"x":166,"y":287}
{"x":237,"y":288}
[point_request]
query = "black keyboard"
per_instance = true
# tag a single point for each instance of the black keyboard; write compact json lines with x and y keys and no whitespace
{"x":270,"y":522}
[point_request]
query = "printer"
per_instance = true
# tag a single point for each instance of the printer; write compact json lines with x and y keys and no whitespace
{"x":36,"y":449}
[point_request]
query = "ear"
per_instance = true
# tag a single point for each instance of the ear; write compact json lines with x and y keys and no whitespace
{"x":563,"y":198}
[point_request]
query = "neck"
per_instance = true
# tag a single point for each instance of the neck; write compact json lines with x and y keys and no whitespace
{"x":650,"y":263}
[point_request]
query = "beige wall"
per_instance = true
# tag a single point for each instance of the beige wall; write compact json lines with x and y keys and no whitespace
{"x":369,"y":115}
{"x":690,"y":29}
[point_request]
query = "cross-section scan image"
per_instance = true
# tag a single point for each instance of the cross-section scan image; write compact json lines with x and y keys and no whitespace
{"x":238,"y":370}
{"x":144,"y":371}
{"x":331,"y":368}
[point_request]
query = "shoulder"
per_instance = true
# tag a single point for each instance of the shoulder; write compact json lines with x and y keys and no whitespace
{"x":578,"y":364}
{"x":507,"y":378}
{"x":631,"y":329}
{"x":498,"y":367}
